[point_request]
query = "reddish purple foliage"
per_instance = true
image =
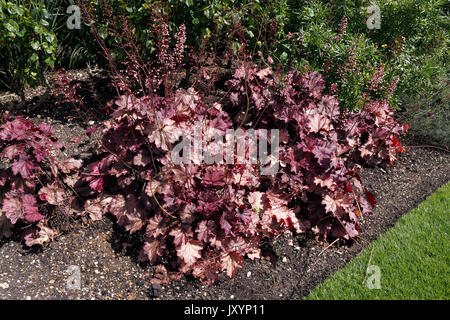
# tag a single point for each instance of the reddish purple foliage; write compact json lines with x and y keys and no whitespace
{"x":32,"y":168}
{"x":207,"y":218}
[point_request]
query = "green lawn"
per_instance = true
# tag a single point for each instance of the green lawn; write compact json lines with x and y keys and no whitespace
{"x":413,"y":259}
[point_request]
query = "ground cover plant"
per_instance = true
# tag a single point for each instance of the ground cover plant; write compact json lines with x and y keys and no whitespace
{"x":419,"y":240}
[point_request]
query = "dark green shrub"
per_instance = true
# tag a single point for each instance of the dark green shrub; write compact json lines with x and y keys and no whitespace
{"x":27,"y":47}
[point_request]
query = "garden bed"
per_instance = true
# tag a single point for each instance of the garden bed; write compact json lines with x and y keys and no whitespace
{"x":106,"y":254}
{"x":93,"y":179}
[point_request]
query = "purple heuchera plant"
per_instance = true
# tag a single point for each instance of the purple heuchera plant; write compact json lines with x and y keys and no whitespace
{"x":33,"y":179}
{"x":202,"y":219}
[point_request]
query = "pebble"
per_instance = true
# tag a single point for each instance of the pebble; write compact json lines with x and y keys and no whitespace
{"x":284,"y":259}
{"x":249,"y":274}
{"x":4,"y":285}
{"x":131,"y":296}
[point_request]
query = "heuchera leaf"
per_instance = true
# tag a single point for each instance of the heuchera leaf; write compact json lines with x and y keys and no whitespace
{"x":31,"y":211}
{"x":331,"y":205}
{"x":52,"y":194}
{"x":190,"y":252}
{"x":12,"y":206}
{"x":95,"y":179}
{"x":12,"y":151}
{"x":69,"y":165}
{"x":152,"y":250}
{"x":230,"y":263}
{"x":40,"y":236}
{"x":23,"y":166}
{"x":318,"y":123}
